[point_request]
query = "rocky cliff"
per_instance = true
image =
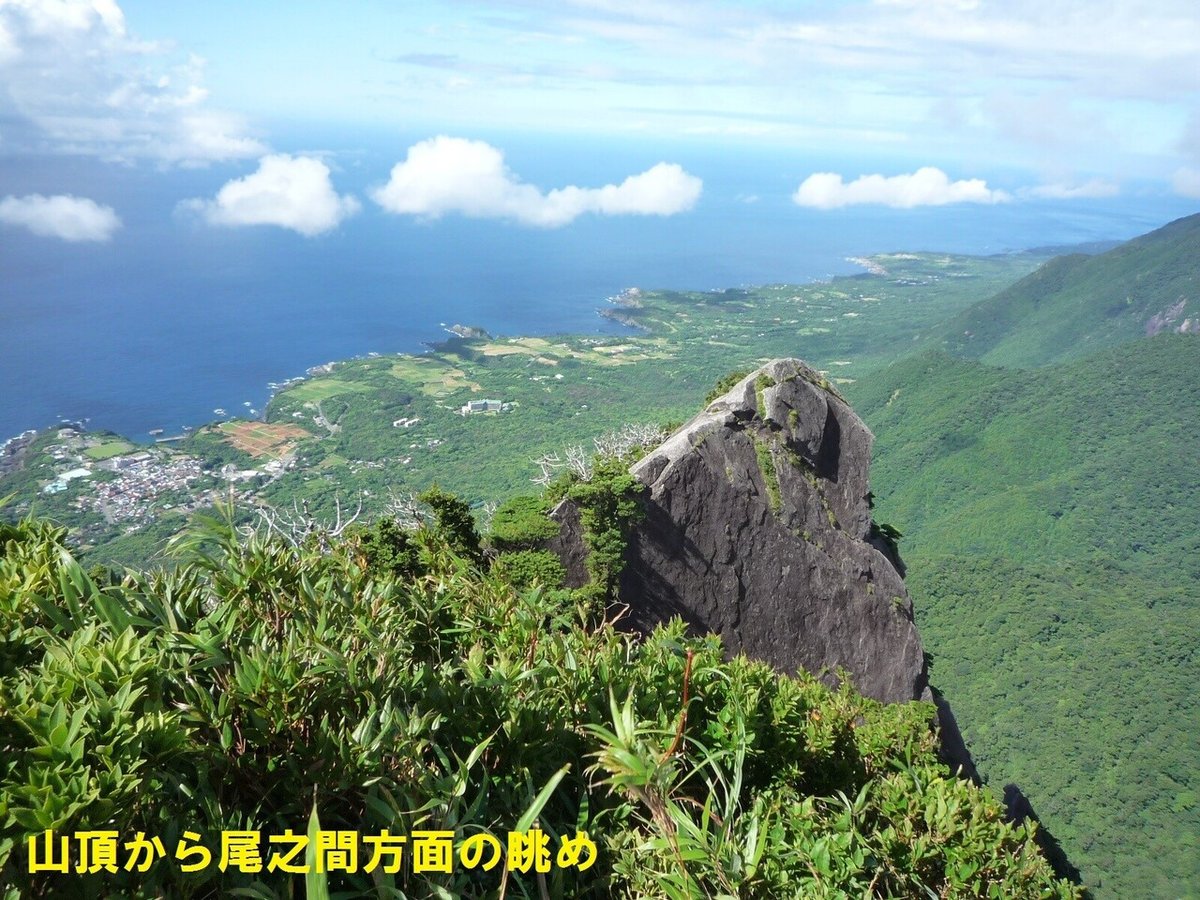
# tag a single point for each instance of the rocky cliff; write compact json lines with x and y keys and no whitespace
{"x":758,"y":527}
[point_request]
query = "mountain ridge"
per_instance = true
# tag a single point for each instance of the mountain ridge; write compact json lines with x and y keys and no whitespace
{"x":1076,"y":304}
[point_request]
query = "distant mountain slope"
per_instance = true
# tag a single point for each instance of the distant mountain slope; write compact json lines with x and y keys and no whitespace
{"x":1076,"y":304}
{"x":1095,"y":456}
{"x":1051,"y":523}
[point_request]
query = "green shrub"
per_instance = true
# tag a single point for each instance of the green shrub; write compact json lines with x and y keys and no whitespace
{"x":725,"y":384}
{"x":454,"y":523}
{"x":255,"y":684}
{"x":766,"y":465}
{"x":388,"y":549}
{"x":609,"y":505}
{"x":761,"y":383}
{"x":525,"y":568}
{"x":521,"y":524}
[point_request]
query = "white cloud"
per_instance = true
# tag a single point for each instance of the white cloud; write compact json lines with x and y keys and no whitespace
{"x":73,"y":80}
{"x":289,"y":191}
{"x":1095,"y":188}
{"x":198,"y":137}
{"x":61,"y":216}
{"x":1186,"y":182}
{"x":927,"y":186}
{"x":8,"y":45}
{"x":453,"y":175}
{"x":1101,"y":85}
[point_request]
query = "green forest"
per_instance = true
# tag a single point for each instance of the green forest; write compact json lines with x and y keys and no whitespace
{"x":1076,"y":304}
{"x":1051,"y":534}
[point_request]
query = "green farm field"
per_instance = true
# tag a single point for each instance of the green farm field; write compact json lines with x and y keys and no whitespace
{"x":109,"y":449}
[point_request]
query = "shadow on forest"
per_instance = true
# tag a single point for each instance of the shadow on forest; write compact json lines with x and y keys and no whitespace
{"x":1018,"y":809}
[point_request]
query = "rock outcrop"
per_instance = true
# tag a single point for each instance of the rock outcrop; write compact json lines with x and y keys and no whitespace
{"x":758,"y":527}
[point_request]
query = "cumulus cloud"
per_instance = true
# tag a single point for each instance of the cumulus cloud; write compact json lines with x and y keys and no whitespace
{"x":1186,"y":182}
{"x":289,"y":191}
{"x":453,"y":175}
{"x":74,"y":80}
{"x":1093,"y":189}
{"x":927,"y":186}
{"x":61,"y":216}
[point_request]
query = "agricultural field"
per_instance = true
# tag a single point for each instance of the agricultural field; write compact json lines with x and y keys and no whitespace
{"x":434,"y":379}
{"x":262,"y":439}
{"x":324,"y":388}
{"x":596,"y":351}
{"x":108,"y":450}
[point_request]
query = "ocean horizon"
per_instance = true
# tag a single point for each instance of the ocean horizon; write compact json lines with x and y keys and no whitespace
{"x":175,"y":318}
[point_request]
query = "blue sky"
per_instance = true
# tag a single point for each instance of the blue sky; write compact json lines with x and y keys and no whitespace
{"x":1081,"y":100}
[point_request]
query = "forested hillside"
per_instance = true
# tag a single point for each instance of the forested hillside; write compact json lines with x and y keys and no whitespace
{"x":1051,"y":523}
{"x":1075,"y":304}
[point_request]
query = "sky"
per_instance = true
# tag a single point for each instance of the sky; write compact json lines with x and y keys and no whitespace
{"x":898,"y":103}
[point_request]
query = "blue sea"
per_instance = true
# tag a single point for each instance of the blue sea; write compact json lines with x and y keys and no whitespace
{"x":174,"y":318}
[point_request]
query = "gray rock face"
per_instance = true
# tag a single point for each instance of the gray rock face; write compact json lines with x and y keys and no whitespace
{"x":758,"y":528}
{"x":568,"y":545}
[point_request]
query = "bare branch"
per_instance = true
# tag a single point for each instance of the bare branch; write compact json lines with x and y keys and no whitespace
{"x":548,"y":465}
{"x":612,"y":444}
{"x":299,"y":525}
{"x":339,"y":526}
{"x":627,"y":438}
{"x":579,"y":462}
{"x":486,"y":514}
{"x":407,"y":510}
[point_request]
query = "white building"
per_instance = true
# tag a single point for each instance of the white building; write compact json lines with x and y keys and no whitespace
{"x":481,"y":406}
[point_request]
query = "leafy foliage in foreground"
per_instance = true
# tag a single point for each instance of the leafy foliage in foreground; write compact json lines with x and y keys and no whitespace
{"x":254,"y":681}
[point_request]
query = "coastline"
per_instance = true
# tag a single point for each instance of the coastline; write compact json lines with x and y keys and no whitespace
{"x":150,"y":436}
{"x":621,"y":310}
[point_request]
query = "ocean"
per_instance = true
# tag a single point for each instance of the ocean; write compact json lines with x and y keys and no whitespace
{"x":174,"y":318}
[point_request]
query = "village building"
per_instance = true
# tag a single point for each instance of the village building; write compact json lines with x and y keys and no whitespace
{"x":481,"y":406}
